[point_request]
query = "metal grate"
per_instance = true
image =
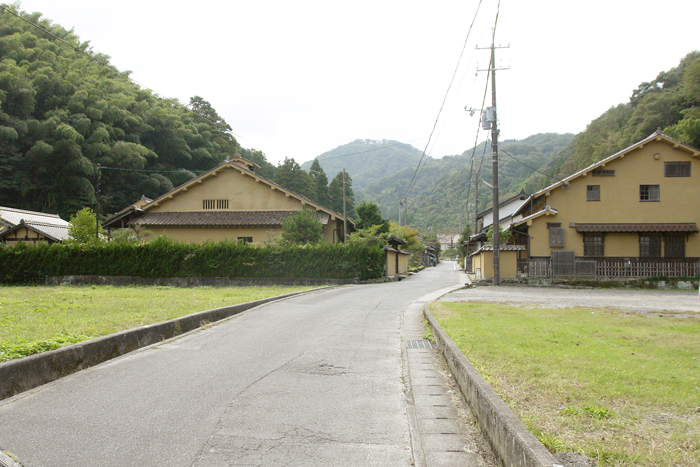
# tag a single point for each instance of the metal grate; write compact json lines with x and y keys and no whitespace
{"x":421,"y":344}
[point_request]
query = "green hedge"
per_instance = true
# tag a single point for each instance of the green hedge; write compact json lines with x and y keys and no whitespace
{"x":164,"y":258}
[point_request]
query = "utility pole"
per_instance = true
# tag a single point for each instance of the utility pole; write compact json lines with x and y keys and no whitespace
{"x":490,"y":120}
{"x":345,"y":216}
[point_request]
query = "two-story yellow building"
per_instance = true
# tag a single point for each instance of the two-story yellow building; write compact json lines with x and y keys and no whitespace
{"x":229,"y":202}
{"x":640,"y":206}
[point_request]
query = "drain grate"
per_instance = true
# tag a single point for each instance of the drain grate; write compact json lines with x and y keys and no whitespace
{"x":420,"y":344}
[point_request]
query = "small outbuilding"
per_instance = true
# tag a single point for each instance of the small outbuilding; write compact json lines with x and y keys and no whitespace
{"x":19,"y":225}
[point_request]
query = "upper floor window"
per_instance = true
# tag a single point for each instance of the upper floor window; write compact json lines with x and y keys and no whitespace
{"x":215,"y":204}
{"x":649,"y":193}
{"x":676,"y":169}
{"x":593,"y":193}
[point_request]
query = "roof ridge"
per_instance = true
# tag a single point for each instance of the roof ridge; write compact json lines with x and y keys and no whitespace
{"x":26,"y":211}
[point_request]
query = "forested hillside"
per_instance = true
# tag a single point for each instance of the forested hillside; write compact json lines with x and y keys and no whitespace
{"x":63,"y":112}
{"x":439,"y":199}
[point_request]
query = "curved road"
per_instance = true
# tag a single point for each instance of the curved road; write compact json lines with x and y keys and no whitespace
{"x":327,"y":378}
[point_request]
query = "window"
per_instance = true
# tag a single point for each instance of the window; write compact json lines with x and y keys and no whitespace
{"x":674,"y":245}
{"x":649,"y":193}
{"x":649,"y":245}
{"x":593,"y":244}
{"x":215,"y":204}
{"x":676,"y":169}
{"x":593,"y":193}
{"x":245,"y":239}
{"x":556,"y":234}
{"x":603,"y":173}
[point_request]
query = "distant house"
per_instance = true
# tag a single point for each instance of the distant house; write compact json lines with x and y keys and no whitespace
{"x":19,"y":225}
{"x":479,"y":259}
{"x":632,"y":214}
{"x":229,"y":202}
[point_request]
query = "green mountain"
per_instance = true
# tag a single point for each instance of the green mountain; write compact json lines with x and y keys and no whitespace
{"x":438,"y":200}
{"x":367,"y":160}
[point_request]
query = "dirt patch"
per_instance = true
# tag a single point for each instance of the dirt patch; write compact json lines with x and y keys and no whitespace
{"x":652,"y":303}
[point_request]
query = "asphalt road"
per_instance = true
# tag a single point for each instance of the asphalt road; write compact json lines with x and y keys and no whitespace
{"x":316,"y":380}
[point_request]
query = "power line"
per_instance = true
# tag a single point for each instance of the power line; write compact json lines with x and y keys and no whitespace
{"x":531,"y":168}
{"x":418,"y":167}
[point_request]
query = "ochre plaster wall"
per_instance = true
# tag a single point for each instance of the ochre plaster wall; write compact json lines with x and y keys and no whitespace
{"x":619,"y":202}
{"x":240,"y":189}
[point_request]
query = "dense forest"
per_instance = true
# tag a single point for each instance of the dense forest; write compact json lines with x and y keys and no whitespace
{"x":64,"y":112}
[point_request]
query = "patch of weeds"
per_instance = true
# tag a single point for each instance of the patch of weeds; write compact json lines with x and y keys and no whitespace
{"x":604,"y":457}
{"x":550,"y":441}
{"x":599,"y":413}
{"x":571,"y":411}
{"x":23,"y":349}
{"x":428,"y":331}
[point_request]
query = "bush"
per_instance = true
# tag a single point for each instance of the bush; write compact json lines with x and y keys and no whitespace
{"x":164,"y":258}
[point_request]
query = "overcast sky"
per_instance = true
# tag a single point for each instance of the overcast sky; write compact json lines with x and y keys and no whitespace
{"x":296,"y":79}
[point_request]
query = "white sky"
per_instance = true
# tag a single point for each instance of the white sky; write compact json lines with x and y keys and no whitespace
{"x":299,"y":78}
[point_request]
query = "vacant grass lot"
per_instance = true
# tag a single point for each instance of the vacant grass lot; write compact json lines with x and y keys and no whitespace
{"x":35,"y":319}
{"x":623,"y":389}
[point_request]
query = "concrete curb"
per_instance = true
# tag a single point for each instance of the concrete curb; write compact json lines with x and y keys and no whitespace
{"x":26,"y":373}
{"x":510,"y":439}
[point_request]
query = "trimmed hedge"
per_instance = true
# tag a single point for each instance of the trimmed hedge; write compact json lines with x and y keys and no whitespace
{"x":164,"y":258}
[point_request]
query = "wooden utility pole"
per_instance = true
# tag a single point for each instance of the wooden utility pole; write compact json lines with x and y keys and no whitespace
{"x":491,"y":117}
{"x":345,"y":216}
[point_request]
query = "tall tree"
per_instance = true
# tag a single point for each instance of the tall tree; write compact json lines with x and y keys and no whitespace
{"x":336,"y":191}
{"x":322,"y":194}
{"x":368,"y":215}
{"x":290,"y":175}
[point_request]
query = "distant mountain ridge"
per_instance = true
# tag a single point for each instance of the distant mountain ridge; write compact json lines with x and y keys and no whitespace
{"x":367,"y":160}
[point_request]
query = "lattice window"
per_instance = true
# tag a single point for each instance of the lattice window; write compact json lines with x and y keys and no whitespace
{"x":674,"y":245}
{"x":215,"y":204}
{"x":245,"y":239}
{"x":594,"y":244}
{"x":676,"y":169}
{"x":649,"y":193}
{"x":556,"y":234}
{"x":593,"y":193}
{"x":649,"y":245}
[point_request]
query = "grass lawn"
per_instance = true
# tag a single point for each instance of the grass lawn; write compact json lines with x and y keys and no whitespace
{"x":622,"y":389}
{"x":35,"y":319}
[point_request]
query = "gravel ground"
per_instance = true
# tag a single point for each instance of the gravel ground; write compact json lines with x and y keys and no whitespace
{"x":645,"y":302}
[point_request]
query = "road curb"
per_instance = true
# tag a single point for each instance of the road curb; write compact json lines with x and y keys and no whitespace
{"x":26,"y":373}
{"x":508,"y":436}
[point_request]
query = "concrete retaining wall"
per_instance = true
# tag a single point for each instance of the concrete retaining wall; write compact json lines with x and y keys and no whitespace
{"x":190,"y":281}
{"x":34,"y":370}
{"x":510,"y":439}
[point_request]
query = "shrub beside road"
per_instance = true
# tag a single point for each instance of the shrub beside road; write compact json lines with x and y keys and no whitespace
{"x":623,"y":389}
{"x":35,"y":319}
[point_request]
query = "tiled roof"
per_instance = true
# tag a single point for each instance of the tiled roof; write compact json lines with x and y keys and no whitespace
{"x":602,"y":228}
{"x":500,"y":248}
{"x":12,"y":217}
{"x":219,"y":218}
